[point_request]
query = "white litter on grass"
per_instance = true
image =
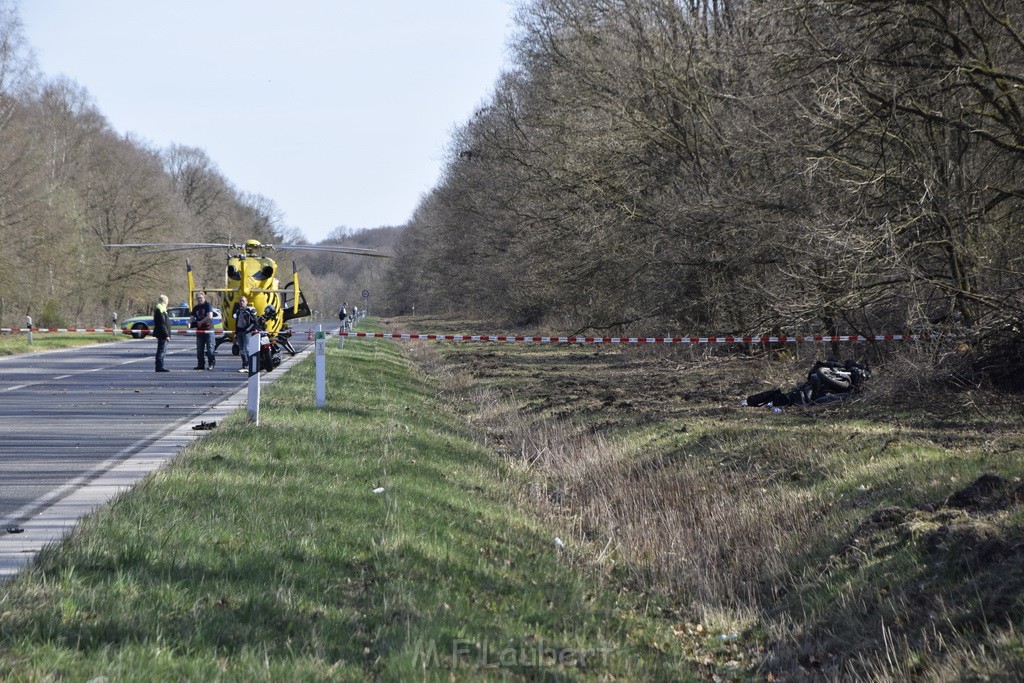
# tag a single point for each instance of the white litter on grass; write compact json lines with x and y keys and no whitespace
{"x":379,"y":489}
{"x":559,"y":542}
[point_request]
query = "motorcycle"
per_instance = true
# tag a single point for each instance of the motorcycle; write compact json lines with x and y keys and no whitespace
{"x":283,"y":340}
{"x":270,"y":352}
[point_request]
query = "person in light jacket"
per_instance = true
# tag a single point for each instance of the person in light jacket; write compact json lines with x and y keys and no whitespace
{"x":162,"y":332}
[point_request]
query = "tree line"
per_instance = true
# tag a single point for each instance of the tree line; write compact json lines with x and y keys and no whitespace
{"x":644,"y":166}
{"x":728,"y":166}
{"x":70,"y":184}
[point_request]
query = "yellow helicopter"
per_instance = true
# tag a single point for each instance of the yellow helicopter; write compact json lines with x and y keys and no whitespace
{"x":253,"y":274}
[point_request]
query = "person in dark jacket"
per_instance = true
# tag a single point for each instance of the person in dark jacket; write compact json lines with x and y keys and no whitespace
{"x":246,"y":332}
{"x":202,"y":322}
{"x":162,"y":332}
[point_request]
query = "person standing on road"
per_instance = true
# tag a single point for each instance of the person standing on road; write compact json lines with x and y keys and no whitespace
{"x":343,"y":316}
{"x":162,"y":332}
{"x":245,"y":328}
{"x":202,"y":322}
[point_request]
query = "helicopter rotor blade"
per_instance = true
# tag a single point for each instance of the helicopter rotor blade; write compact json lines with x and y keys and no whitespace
{"x":250,"y":249}
{"x":183,"y":245}
{"x":168,"y":246}
{"x":160,"y":251}
{"x":358,"y":251}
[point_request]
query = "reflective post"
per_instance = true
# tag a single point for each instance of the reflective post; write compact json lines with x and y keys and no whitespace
{"x":321,"y":368}
{"x":115,"y":323}
{"x":254,"y":388}
{"x":28,"y":320}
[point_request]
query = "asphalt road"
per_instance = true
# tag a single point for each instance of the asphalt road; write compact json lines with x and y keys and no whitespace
{"x":66,"y":417}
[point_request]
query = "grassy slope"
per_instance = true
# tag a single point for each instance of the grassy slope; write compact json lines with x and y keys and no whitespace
{"x":878,"y":539}
{"x":264,"y":553}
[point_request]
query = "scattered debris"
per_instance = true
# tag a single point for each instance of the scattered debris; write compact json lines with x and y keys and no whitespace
{"x":379,"y":489}
{"x":15,"y":530}
{"x":204,"y":426}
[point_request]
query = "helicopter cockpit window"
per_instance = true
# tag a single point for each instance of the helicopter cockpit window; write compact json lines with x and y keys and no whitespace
{"x":233,"y":272}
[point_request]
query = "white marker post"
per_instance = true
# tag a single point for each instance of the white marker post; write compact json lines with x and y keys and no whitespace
{"x":345,"y":327}
{"x":320,"y":342}
{"x":254,"y":388}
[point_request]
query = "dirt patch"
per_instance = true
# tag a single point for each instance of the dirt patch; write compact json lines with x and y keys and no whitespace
{"x":971,"y":552}
{"x":987,"y":493}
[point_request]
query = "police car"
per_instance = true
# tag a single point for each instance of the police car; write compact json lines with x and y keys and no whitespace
{"x":141,"y":325}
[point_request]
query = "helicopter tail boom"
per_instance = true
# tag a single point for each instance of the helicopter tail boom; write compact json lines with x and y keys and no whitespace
{"x":295,"y":280}
{"x":191,"y":282}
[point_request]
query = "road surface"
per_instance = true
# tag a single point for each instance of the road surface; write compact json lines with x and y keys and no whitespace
{"x":78,"y":425}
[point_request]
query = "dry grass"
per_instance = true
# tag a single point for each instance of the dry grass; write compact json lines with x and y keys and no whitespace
{"x":814,"y":535}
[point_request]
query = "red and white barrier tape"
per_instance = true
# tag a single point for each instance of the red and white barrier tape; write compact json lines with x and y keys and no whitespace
{"x":543,"y":340}
{"x":97,"y":329}
{"x":55,"y":329}
{"x":635,"y":340}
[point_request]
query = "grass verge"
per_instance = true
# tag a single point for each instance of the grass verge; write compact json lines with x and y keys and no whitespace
{"x":14,"y":344}
{"x":372,"y":538}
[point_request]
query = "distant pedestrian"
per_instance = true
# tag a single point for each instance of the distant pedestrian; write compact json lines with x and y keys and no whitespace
{"x":343,"y":313}
{"x":202,"y":322}
{"x":162,"y":332}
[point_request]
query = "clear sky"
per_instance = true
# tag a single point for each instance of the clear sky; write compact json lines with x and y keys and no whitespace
{"x":339,"y":111}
